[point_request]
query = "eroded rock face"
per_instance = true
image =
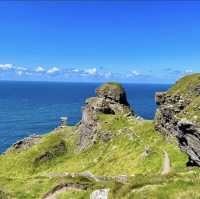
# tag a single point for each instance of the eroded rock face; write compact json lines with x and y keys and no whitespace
{"x":110,"y":99}
{"x":169,"y":106}
{"x":176,"y":115}
{"x":189,"y":141}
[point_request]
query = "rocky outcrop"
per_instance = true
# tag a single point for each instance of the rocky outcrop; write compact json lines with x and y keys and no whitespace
{"x":178,"y":115}
{"x":189,"y":141}
{"x":110,"y":99}
{"x":169,"y":106}
{"x":25,"y":143}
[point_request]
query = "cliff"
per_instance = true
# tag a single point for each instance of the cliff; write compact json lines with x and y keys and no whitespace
{"x":110,"y":154}
{"x":178,"y":115}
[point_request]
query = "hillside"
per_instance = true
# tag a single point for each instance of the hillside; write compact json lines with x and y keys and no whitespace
{"x":111,"y":152}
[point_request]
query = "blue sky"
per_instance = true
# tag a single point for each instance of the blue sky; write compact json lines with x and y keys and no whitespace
{"x":141,"y":42}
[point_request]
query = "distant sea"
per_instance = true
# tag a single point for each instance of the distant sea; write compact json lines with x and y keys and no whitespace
{"x":35,"y":107}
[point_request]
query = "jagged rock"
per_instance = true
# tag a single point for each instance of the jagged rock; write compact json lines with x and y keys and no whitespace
{"x":178,"y":115}
{"x":110,"y":99}
{"x":25,"y":143}
{"x":99,"y":194}
{"x":189,"y":140}
{"x":160,"y":97}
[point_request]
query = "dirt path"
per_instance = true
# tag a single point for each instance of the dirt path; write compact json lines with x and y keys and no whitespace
{"x":166,"y":164}
{"x":63,"y":188}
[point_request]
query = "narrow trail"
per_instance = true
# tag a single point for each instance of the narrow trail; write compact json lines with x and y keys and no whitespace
{"x":63,"y":188}
{"x":166,"y":164}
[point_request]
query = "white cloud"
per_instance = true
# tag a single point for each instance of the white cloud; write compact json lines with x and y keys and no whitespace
{"x":21,"y":68}
{"x":6,"y":66}
{"x":19,"y":73}
{"x":28,"y":73}
{"x":188,"y":71}
{"x":76,"y":70}
{"x":108,"y":74}
{"x":39,"y":69}
{"x":91,"y":71}
{"x":53,"y":70}
{"x":134,"y":72}
{"x":129,"y":75}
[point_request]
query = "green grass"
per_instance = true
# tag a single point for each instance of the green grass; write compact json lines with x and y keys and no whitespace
{"x":122,"y":155}
{"x":74,"y":195}
{"x":186,"y":85}
{"x":111,"y":85}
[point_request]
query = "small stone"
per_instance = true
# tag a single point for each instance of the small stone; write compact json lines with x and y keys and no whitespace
{"x":99,"y":194}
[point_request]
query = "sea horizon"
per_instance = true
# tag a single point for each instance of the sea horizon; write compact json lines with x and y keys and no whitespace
{"x":88,"y":82}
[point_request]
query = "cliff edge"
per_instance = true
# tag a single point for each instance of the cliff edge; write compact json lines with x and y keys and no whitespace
{"x":178,"y":115}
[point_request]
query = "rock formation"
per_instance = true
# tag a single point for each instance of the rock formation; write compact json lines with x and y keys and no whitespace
{"x":25,"y":143}
{"x":178,"y":115}
{"x":110,"y":99}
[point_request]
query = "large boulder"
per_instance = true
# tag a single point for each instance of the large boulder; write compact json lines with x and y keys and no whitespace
{"x":178,"y":115}
{"x":110,"y":99}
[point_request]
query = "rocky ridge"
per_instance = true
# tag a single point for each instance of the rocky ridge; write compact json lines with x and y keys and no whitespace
{"x":178,"y":115}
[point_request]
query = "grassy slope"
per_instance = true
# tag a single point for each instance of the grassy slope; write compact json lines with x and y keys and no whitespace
{"x":123,"y":155}
{"x":186,"y":87}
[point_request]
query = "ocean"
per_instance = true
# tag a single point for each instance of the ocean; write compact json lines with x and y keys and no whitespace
{"x":35,"y":107}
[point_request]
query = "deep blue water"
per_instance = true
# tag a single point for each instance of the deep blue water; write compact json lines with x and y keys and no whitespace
{"x":35,"y":107}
